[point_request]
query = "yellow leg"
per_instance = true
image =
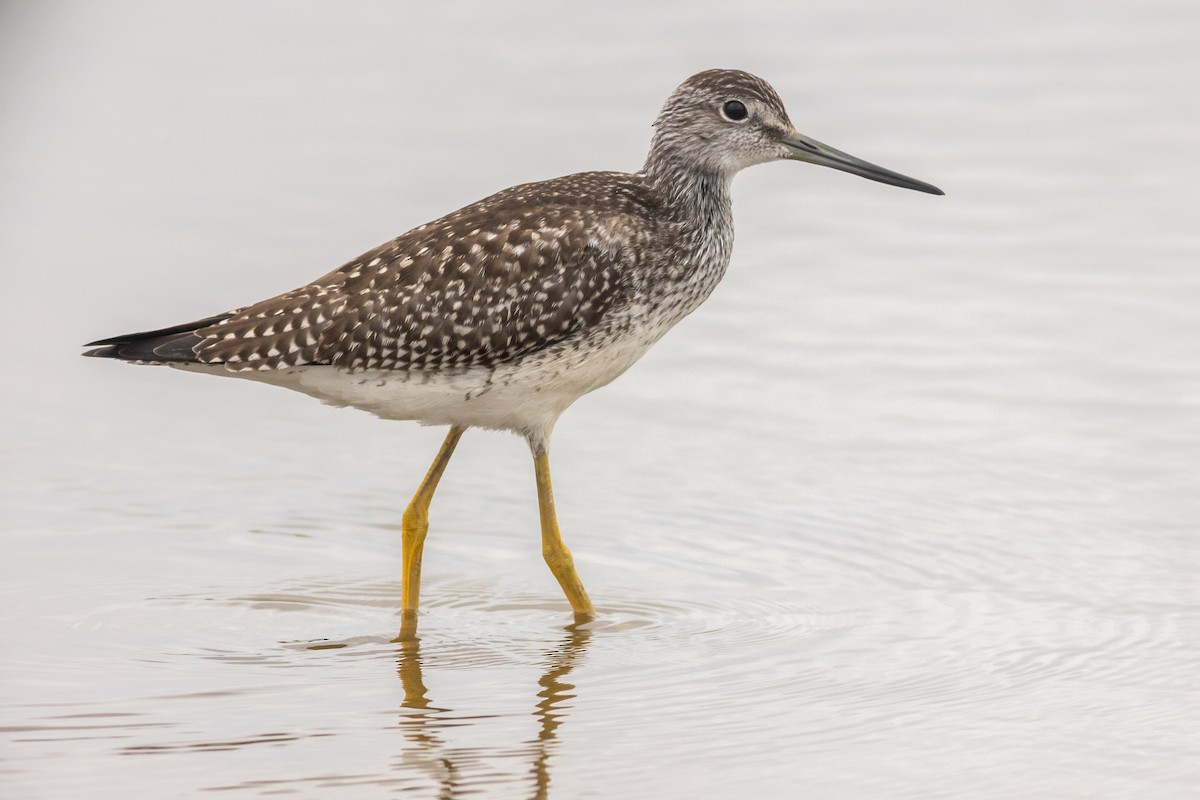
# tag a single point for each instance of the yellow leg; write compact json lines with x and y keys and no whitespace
{"x":413,"y":530}
{"x":557,"y":556}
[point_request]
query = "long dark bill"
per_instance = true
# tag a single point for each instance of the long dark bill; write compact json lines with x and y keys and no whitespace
{"x":805,"y":149}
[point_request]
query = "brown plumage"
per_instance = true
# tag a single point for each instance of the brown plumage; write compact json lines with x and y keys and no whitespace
{"x":523,"y":269}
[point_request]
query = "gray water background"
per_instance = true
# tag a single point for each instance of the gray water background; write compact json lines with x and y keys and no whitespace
{"x":908,"y":509}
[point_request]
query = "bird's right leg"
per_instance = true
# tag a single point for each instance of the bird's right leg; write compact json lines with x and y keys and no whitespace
{"x":412,"y":536}
{"x":554,"y":550}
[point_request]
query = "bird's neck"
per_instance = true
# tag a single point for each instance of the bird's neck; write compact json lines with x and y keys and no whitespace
{"x":691,"y":192}
{"x":696,"y":203}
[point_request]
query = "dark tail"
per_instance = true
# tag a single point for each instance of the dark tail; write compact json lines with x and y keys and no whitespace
{"x":175,"y":345}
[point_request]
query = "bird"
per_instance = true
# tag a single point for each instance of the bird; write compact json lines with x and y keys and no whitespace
{"x":503,"y":313}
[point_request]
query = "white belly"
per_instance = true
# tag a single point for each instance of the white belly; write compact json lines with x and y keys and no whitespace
{"x":524,"y":397}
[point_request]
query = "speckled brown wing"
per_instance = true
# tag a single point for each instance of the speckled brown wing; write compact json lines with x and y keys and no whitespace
{"x":486,"y":285}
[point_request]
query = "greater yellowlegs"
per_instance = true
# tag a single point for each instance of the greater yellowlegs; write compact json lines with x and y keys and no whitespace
{"x":502,"y":314}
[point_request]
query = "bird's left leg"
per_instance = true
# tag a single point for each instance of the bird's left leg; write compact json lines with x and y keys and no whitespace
{"x":412,"y":536}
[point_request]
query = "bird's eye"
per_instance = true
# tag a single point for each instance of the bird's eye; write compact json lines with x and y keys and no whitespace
{"x":735,"y":110}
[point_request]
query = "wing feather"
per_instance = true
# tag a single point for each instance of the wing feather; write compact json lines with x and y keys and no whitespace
{"x":479,"y":287}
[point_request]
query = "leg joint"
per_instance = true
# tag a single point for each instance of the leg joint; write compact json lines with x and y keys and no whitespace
{"x":415,"y":520}
{"x":558,"y":558}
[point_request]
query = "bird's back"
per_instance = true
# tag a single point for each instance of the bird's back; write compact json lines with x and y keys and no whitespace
{"x":515,"y":273}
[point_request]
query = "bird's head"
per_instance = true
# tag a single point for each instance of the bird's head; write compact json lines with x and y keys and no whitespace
{"x":724,"y":120}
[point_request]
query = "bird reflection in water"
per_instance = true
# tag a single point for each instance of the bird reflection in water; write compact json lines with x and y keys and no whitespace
{"x":457,"y":771}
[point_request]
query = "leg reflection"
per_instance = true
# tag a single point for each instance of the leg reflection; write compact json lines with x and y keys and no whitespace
{"x":553,"y":702}
{"x":420,"y":722}
{"x":457,"y":771}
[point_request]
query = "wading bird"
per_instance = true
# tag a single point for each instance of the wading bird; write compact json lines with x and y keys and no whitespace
{"x":502,"y":314}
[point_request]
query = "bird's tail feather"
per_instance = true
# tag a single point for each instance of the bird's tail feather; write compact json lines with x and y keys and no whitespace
{"x":174,"y":345}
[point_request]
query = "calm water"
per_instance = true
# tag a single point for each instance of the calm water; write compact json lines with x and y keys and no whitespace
{"x":908,"y":510}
